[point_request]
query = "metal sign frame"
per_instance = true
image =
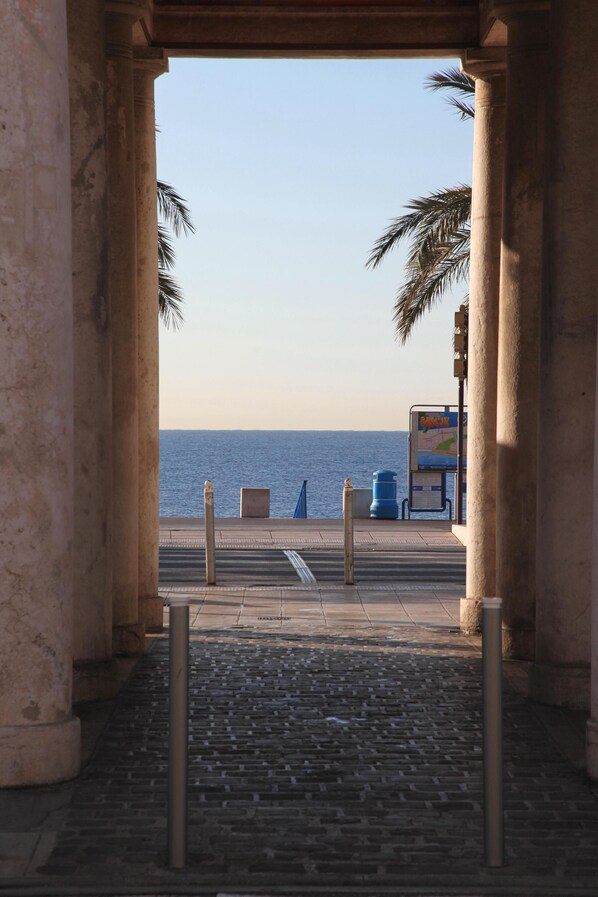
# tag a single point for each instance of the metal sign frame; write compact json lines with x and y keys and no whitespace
{"x":407,"y":504}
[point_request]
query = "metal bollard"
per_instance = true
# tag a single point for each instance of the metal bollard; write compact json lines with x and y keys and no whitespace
{"x":493,"y":735}
{"x":208,"y":504}
{"x":178,"y":731}
{"x":348,"y":516}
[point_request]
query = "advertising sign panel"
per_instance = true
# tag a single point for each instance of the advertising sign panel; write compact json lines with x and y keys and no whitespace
{"x":434,"y":440}
{"x":428,"y":492}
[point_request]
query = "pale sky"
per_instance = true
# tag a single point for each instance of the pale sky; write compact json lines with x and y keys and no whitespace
{"x":291,"y":170}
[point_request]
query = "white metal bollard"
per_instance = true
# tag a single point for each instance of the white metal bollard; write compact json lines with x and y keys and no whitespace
{"x":348,"y":517}
{"x":493,"y":734}
{"x":178,"y":730}
{"x":208,"y":504}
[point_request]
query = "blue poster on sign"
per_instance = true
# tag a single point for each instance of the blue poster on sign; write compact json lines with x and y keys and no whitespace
{"x":434,"y":440}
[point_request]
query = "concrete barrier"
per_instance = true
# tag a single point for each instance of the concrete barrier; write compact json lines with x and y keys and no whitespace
{"x":255,"y":502}
{"x":362,"y":499}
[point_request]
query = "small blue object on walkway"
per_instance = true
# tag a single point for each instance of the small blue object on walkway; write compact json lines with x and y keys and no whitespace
{"x":385,"y":505}
{"x":301,"y":506}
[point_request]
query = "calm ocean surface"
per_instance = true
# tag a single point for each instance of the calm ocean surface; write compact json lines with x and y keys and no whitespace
{"x":278,"y":459}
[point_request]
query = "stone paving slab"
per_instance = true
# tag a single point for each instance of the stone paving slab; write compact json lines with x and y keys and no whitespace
{"x":287,"y":534}
{"x":292,"y":608}
{"x":342,"y":760}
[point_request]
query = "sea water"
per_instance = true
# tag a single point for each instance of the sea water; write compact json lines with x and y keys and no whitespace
{"x":279,"y":460}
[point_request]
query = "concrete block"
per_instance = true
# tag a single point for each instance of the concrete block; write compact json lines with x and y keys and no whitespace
{"x":460,"y":532}
{"x":255,"y":502}
{"x":362,"y":499}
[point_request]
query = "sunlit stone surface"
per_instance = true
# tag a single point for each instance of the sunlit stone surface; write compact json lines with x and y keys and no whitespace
{"x":39,"y":738}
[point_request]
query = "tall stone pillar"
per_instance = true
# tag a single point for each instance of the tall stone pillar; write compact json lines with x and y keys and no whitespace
{"x":39,"y":737}
{"x":149,"y":63}
{"x":94,"y":668}
{"x":488,"y":67}
{"x":128,"y":631}
{"x":518,"y":338}
{"x":561,"y":674}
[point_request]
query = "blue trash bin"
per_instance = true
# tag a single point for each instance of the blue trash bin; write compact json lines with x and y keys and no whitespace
{"x":384,"y":505}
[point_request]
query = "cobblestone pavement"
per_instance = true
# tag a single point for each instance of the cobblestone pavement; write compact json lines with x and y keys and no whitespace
{"x":324,"y":759}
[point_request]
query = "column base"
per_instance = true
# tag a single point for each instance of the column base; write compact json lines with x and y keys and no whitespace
{"x":95,"y":680}
{"x":151,"y":612}
{"x":40,"y":754}
{"x":518,"y":644}
{"x":560,"y":686}
{"x":470,"y":614}
{"x":128,"y":639}
{"x":592,"y":749}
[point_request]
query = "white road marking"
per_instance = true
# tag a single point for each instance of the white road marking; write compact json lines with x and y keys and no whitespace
{"x":303,"y":571}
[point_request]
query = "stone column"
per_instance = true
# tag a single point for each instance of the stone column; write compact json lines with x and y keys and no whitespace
{"x":518,"y":339}
{"x":149,"y":63}
{"x":39,"y":737}
{"x":128,"y":631}
{"x":94,"y":668}
{"x":561,"y":674}
{"x":488,"y":67}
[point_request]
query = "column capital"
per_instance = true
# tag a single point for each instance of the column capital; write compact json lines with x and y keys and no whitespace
{"x":150,"y":60}
{"x":485,"y":62}
{"x":120,"y":18}
{"x":505,"y":10}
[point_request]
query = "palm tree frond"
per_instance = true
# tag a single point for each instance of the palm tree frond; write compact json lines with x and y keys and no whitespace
{"x":432,"y":217}
{"x":429,"y":278}
{"x":465,"y":110}
{"x":166,"y":255}
{"x":174,"y":210}
{"x":464,"y":85}
{"x":439,"y":228}
{"x":170,"y":300}
{"x":446,"y":213}
{"x":452,"y":78}
{"x":176,"y":219}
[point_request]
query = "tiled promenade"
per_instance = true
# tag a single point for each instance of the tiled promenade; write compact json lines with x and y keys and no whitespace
{"x":335,"y":749}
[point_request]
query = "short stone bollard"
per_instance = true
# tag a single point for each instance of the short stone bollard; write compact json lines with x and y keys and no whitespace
{"x":348,"y":530}
{"x":208,"y":504}
{"x":493,"y":731}
{"x":178,"y":730}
